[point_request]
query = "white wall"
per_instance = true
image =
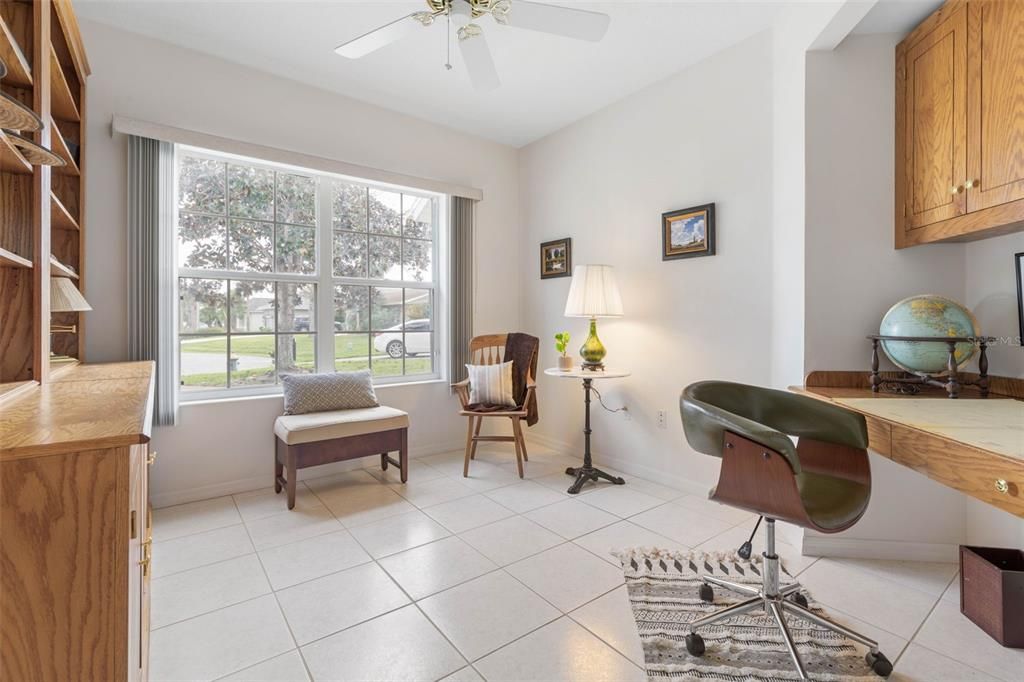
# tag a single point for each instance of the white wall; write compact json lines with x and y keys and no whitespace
{"x":991,"y":292}
{"x":704,"y":135}
{"x":853,"y":274}
{"x":225,"y":447}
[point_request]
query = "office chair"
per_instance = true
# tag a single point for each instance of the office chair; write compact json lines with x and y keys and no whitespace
{"x":823,"y":483}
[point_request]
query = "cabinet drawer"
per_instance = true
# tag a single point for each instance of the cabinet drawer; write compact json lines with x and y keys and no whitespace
{"x":987,"y":477}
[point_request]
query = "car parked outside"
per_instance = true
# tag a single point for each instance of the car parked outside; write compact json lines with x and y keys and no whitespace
{"x":414,"y":341}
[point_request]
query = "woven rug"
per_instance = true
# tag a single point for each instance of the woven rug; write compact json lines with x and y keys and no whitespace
{"x":663,"y":592}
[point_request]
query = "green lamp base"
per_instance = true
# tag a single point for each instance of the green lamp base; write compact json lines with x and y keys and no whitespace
{"x":592,"y":351}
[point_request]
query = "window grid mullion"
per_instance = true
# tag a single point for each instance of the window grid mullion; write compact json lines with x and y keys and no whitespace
{"x":323,"y":280}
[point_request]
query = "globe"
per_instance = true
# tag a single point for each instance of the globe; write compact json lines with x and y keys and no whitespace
{"x":927,"y":315}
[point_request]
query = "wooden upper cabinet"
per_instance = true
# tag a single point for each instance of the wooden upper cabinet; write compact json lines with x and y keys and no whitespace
{"x":995,"y":96}
{"x":936,"y":121}
{"x":960,"y":124}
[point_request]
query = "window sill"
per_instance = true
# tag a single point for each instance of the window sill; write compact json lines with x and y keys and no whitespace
{"x":278,"y":393}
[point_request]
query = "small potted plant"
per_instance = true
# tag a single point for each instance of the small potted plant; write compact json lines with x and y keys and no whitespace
{"x":561,"y":343}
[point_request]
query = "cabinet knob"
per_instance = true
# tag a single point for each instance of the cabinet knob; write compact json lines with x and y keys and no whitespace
{"x":956,"y":189}
{"x":972,"y":183}
{"x":1002,"y":486}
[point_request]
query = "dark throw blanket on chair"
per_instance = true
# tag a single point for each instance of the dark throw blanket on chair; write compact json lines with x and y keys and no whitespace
{"x":522,"y":350}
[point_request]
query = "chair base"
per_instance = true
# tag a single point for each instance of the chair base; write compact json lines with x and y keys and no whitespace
{"x":778,"y":602}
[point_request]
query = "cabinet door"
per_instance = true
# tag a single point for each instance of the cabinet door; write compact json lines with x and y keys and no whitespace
{"x":935,"y":138}
{"x":995,"y":92}
{"x":139,"y":565}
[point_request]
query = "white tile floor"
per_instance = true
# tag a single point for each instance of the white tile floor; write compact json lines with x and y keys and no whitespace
{"x":487,"y":578}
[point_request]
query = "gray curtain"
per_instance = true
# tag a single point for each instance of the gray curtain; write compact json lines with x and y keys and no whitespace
{"x":151,"y":286}
{"x":460,"y":264}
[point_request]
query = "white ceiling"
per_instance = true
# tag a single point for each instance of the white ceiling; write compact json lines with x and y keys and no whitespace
{"x":896,"y":16}
{"x":547,"y":81}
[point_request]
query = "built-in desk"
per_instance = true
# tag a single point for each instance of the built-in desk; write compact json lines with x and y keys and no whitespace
{"x":972,"y":444}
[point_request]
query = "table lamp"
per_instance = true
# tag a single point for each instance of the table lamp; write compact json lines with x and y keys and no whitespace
{"x":593,"y":293}
{"x":66,"y":298}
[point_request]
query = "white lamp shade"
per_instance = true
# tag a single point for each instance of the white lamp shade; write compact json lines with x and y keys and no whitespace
{"x":65,"y":297}
{"x":593,"y":292}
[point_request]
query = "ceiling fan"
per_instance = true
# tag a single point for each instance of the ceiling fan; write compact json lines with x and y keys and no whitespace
{"x":563,"y":21}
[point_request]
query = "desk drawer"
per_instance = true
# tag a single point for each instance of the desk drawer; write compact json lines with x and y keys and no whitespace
{"x":987,"y":477}
{"x":879,"y":436}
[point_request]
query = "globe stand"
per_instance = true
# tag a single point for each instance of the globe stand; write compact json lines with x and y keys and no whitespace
{"x":951,"y":380}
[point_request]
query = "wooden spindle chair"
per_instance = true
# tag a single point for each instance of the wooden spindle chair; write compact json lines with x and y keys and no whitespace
{"x":490,"y":350}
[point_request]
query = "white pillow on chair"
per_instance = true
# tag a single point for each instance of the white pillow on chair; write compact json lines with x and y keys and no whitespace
{"x":491,"y":384}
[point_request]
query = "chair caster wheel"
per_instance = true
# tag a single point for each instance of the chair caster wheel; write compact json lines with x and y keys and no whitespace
{"x":880,"y":665}
{"x":706,"y":593}
{"x":695,"y":644}
{"x":800,"y":599}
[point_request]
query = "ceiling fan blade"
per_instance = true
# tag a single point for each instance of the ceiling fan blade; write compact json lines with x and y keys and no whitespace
{"x":479,"y":63}
{"x":580,"y":24}
{"x":379,"y":37}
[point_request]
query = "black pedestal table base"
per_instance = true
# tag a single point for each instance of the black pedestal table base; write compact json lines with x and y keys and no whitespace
{"x":588,"y":472}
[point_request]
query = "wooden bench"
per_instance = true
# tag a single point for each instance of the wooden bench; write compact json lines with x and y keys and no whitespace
{"x":306,"y":440}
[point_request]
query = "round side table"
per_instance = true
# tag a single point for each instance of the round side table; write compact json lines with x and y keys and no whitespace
{"x":588,"y":471}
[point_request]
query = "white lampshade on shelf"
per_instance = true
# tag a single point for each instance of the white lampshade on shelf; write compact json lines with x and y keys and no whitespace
{"x":593,"y":292}
{"x":65,"y":297}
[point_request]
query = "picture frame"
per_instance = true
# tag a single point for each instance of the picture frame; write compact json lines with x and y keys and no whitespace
{"x":1019,"y":260}
{"x":556,"y":258}
{"x":688,"y":232}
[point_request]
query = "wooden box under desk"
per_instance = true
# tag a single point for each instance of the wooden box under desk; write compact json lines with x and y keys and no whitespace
{"x":974,"y":445}
{"x":74,"y":513}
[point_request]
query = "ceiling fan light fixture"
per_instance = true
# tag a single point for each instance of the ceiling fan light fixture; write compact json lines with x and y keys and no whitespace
{"x":425,"y":18}
{"x":469,"y":31}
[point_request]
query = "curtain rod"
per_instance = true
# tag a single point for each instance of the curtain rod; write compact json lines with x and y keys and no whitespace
{"x":158,"y":131}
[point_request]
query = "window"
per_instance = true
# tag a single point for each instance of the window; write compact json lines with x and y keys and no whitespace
{"x":283,"y":271}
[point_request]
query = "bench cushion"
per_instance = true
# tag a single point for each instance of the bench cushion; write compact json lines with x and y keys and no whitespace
{"x":293,"y":429}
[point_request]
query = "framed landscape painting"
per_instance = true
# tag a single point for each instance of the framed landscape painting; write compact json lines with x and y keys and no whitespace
{"x":556,"y":258}
{"x":688,"y":233}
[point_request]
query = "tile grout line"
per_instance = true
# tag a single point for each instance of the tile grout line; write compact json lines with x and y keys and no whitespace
{"x":277,"y":601}
{"x":913,"y":637}
{"x":412,"y":602}
{"x":503,"y":568}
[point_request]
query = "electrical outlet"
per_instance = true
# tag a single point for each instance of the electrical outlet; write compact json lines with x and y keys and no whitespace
{"x":661,"y":419}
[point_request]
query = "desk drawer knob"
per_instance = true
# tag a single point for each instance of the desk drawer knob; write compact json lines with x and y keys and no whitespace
{"x":1002,"y":486}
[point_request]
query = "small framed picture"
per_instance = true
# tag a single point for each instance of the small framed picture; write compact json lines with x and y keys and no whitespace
{"x":556,"y":258}
{"x":688,"y":233}
{"x":1019,"y":259}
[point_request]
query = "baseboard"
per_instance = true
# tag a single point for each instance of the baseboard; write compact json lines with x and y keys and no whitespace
{"x":242,"y":485}
{"x":898,"y":550}
{"x":626,"y":466}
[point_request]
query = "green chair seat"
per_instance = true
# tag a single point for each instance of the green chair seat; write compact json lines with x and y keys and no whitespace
{"x":832,"y":503}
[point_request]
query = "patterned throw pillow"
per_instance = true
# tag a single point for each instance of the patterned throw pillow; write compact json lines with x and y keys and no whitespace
{"x":491,"y":384}
{"x":326,"y":392}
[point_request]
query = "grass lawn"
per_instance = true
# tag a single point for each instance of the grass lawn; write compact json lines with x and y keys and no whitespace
{"x":352,"y":349}
{"x":345,"y":346}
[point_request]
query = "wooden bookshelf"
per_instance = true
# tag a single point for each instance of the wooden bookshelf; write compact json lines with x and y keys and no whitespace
{"x":47,"y":69}
{"x":9,"y":259}
{"x":19,"y":72}
{"x":58,"y":269}
{"x":62,"y":102}
{"x":60,"y":217}
{"x":13,"y":389}
{"x":11,"y":160}
{"x":60,"y":147}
